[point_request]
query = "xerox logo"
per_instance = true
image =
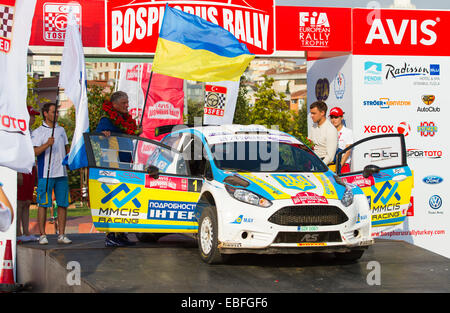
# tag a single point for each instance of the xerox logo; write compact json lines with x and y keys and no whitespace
{"x":402,"y":128}
{"x":426,"y":129}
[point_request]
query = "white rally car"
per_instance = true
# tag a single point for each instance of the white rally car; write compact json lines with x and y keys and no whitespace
{"x":244,"y":189}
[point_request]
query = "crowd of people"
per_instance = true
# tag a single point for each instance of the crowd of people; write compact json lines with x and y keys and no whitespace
{"x":51,"y":145}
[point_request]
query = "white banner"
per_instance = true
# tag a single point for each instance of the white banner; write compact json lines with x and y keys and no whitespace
{"x":17,"y":150}
{"x":220,"y":102}
{"x":130,"y":82}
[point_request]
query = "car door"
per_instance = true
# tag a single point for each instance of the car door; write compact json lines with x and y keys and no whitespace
{"x":139,"y":185}
{"x":378,"y":166}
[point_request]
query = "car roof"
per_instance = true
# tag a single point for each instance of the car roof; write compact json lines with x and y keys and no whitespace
{"x":235,"y":132}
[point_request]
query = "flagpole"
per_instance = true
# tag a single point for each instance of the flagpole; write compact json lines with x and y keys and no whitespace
{"x":51,"y":147}
{"x":145,"y":101}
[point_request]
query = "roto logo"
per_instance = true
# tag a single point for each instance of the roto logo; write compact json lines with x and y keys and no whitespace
{"x":314,"y":29}
{"x":134,"y":26}
{"x":423,"y":33}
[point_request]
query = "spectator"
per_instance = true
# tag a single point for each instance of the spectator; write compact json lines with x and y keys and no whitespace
{"x":43,"y":142}
{"x":6,"y":211}
{"x":345,"y":137}
{"x":25,"y":190}
{"x":323,"y":133}
{"x":116,"y":111}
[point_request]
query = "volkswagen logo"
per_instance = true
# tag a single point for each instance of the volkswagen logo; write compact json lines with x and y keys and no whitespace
{"x":435,"y":202}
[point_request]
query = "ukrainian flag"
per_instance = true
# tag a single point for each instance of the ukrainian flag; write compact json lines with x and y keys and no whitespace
{"x":192,"y":48}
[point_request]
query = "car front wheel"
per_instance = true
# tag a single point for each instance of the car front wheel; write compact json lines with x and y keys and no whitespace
{"x":208,"y":237}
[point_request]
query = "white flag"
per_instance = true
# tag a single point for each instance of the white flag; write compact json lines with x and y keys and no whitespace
{"x":15,"y":29}
{"x":220,"y":102}
{"x":73,"y":79}
{"x":130,"y":82}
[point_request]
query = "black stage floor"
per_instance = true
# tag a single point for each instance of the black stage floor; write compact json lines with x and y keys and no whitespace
{"x":173,"y":265}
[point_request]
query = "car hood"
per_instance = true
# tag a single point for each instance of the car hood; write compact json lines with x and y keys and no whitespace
{"x":274,"y":186}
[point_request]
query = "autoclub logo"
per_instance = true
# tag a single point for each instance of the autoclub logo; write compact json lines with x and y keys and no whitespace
{"x":314,"y":29}
{"x":55,"y":20}
{"x":427,"y":129}
{"x":428,"y":100}
{"x":7,"y":10}
{"x":373,"y":73}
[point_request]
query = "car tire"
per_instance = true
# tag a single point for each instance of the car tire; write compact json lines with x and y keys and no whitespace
{"x":349,"y":256}
{"x":208,"y":237}
{"x":149,"y":237}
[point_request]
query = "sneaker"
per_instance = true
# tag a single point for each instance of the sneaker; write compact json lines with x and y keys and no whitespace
{"x":112,"y":241}
{"x":43,"y":240}
{"x":63,"y":239}
{"x":124,"y":239}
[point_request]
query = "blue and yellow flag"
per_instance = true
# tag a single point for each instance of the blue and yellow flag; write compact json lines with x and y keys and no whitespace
{"x":192,"y":48}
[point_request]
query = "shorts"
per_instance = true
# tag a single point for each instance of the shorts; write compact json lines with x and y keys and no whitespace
{"x":25,"y":192}
{"x":60,"y":185}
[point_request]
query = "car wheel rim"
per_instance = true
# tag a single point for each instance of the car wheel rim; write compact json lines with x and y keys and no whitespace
{"x":206,"y":237}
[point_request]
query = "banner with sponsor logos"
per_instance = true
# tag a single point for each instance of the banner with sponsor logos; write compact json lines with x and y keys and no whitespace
{"x":403,"y":92}
{"x":130,"y":79}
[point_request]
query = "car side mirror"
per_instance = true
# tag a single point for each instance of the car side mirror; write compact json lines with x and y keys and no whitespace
{"x":153,"y":171}
{"x":369,"y":170}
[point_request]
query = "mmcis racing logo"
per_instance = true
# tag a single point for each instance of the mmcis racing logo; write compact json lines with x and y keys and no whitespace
{"x":7,"y":10}
{"x":129,"y":195}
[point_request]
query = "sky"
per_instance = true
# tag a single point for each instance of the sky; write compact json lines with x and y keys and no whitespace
{"x":420,"y":4}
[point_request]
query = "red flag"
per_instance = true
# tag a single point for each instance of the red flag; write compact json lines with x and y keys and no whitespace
{"x":164,"y":104}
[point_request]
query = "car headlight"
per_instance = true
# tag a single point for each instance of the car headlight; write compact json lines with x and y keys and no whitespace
{"x":347,"y":198}
{"x":248,"y":196}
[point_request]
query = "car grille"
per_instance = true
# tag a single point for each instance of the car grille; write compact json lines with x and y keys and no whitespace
{"x":294,"y":237}
{"x":309,"y":215}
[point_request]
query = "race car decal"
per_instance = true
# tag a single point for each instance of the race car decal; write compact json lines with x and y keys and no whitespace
{"x":294,"y":181}
{"x":273,"y":192}
{"x":329,"y":190}
{"x":138,"y":204}
{"x":309,"y":198}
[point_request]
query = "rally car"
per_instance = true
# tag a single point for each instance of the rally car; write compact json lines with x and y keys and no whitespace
{"x":246,"y":189}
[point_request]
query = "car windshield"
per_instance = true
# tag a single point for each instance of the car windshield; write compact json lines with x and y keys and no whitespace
{"x":266,"y":156}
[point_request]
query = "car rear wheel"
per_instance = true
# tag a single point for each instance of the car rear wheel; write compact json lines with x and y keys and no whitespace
{"x":208,"y":237}
{"x":349,"y":256}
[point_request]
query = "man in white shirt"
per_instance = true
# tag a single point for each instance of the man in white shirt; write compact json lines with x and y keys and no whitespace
{"x":323,"y":133}
{"x":58,"y":182}
{"x":345,"y":137}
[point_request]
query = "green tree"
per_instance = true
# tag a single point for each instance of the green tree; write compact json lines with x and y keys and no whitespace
{"x":194,"y":112}
{"x":242,"y":111}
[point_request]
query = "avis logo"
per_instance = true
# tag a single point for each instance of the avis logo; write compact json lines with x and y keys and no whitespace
{"x":380,"y":30}
{"x":129,"y":196}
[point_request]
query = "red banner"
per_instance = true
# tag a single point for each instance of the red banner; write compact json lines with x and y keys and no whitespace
{"x":134,"y":27}
{"x":165,"y":102}
{"x":50,"y":22}
{"x":313,"y":29}
{"x":401,"y":32}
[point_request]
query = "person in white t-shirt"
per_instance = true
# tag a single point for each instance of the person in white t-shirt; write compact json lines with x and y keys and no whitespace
{"x":322,"y":133}
{"x":345,"y":137}
{"x":6,"y":211}
{"x":58,"y":182}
